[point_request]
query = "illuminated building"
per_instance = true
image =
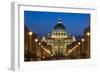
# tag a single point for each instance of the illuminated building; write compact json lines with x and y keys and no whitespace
{"x":58,"y":39}
{"x":81,"y":48}
{"x":86,"y":47}
{"x":29,"y":44}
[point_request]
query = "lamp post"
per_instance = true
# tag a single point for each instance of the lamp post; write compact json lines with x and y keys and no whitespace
{"x":82,"y":49}
{"x":88,"y":44}
{"x":30,"y":44}
{"x":30,"y":41}
{"x":79,"y":49}
{"x":39,"y":51}
{"x":36,"y":49}
{"x":76,"y":46}
{"x":79,"y":43}
{"x":88,"y":34}
{"x":82,"y":40}
{"x":30,"y":33}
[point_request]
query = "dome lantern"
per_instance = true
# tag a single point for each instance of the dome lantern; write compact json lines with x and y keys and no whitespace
{"x":59,"y":25}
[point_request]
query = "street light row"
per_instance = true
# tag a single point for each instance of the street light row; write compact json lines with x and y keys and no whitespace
{"x":30,"y":33}
{"x":82,"y":40}
{"x":36,"y":40}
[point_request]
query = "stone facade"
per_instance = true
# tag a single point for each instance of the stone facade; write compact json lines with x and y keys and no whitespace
{"x":58,"y":39}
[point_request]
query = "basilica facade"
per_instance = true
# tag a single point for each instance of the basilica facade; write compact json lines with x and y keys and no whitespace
{"x":58,"y":39}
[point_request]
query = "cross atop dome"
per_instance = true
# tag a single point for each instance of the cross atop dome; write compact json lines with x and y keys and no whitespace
{"x":59,"y":25}
{"x":59,"y":20}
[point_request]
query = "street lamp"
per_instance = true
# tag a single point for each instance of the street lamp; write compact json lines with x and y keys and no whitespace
{"x":88,"y":34}
{"x":40,"y":54}
{"x":79,"y":49}
{"x":88,"y":44}
{"x":41,"y":46}
{"x":79,"y":43}
{"x":82,"y":49}
{"x":30,"y":43}
{"x":36,"y":40}
{"x":82,"y":40}
{"x":52,"y":54}
{"x":39,"y":43}
{"x":76,"y":45}
{"x":37,"y":50}
{"x":30,"y":33}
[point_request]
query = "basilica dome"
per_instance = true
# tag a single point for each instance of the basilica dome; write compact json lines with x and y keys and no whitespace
{"x":59,"y":30}
{"x":59,"y":25}
{"x":58,"y":39}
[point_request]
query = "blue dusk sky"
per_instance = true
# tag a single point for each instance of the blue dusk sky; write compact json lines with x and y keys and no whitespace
{"x":44,"y":22}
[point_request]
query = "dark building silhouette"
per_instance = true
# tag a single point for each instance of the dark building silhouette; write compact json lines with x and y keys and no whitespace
{"x":29,"y":44}
{"x":81,"y":48}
